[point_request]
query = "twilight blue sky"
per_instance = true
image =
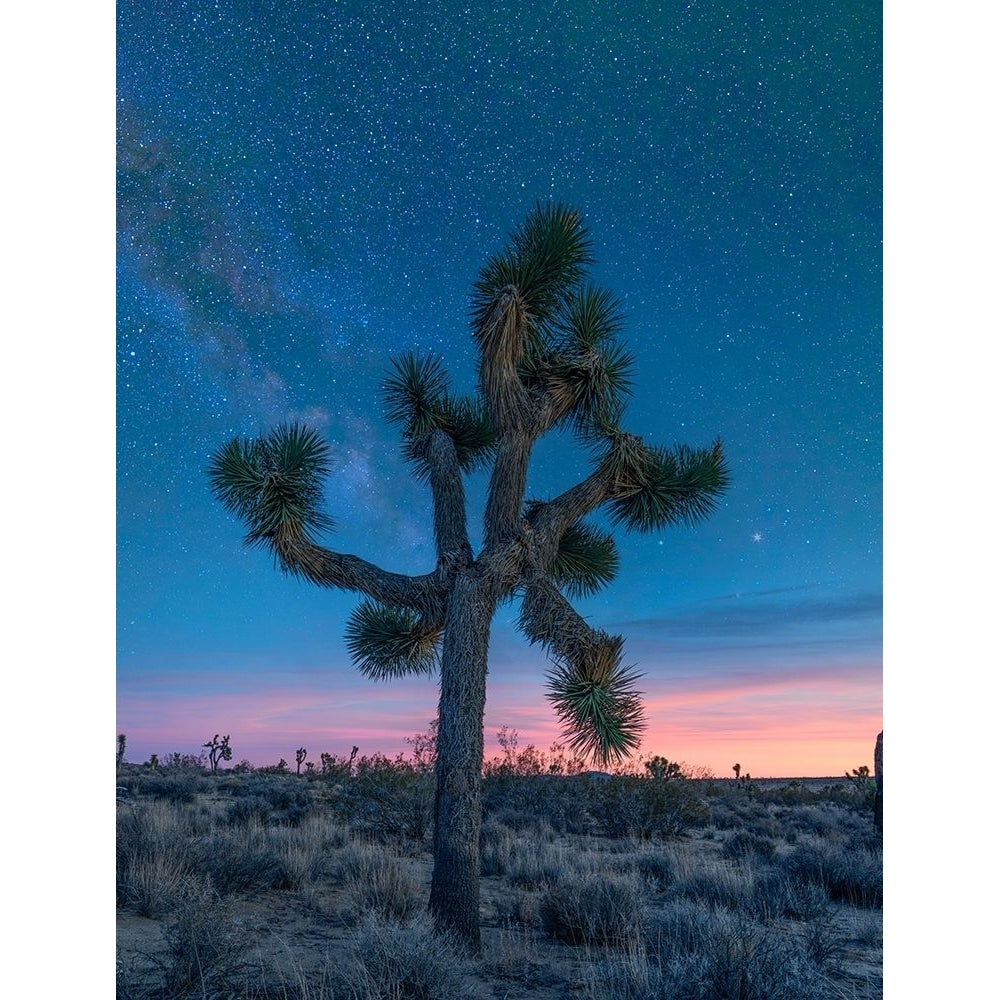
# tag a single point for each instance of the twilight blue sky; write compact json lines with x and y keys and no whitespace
{"x":305,"y":190}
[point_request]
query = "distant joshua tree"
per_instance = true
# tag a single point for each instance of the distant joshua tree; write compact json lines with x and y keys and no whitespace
{"x":663,"y":769}
{"x":218,"y":750}
{"x":120,"y":755}
{"x":548,"y":359}
{"x":300,"y":756}
{"x":736,"y":768}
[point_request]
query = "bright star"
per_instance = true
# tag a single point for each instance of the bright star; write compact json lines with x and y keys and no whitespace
{"x":756,"y":536}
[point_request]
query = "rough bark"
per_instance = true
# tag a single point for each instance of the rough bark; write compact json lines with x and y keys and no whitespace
{"x":506,"y":493}
{"x":878,"y":783}
{"x":325,"y":568}
{"x":454,"y":898}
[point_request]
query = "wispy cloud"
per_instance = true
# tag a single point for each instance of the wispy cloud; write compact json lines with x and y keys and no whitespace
{"x":759,"y":613}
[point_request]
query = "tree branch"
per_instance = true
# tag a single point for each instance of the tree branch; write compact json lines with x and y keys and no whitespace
{"x":549,"y":619}
{"x":301,"y":557}
{"x":451,"y":534}
{"x":550,"y":519}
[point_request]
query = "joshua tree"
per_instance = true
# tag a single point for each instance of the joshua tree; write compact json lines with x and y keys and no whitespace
{"x":120,"y":754}
{"x":218,"y":750}
{"x":663,"y":769}
{"x":736,"y":768}
{"x":300,"y":755}
{"x":548,"y":358}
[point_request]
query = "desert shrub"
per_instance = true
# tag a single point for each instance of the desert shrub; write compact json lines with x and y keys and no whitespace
{"x":759,"y":893}
{"x":239,"y":861}
{"x":392,"y":961}
{"x":626,"y":806}
{"x":177,"y":785}
{"x":868,"y":930}
{"x":802,"y":900}
{"x":854,"y":876}
{"x":206,"y":949}
{"x":377,"y":883}
{"x":820,"y":939}
{"x":535,"y":866}
{"x":795,"y":793}
{"x":248,"y":809}
{"x":592,"y":909}
{"x":745,"y":845}
{"x":517,"y":908}
{"x":656,"y":866}
{"x":734,"y":812}
{"x":819,"y":819}
{"x":301,"y":854}
{"x":388,"y":800}
{"x":151,"y":886}
{"x":851,"y":874}
{"x":722,"y":887}
{"x":285,"y":799}
{"x":699,"y":953}
{"x":549,"y":802}
{"x":531,"y":824}
{"x":153,"y":860}
{"x":496,"y":847}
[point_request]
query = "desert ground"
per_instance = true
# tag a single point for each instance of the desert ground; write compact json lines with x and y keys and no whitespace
{"x":266,"y":884}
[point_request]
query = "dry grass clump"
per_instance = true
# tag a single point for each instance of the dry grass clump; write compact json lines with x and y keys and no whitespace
{"x":731,"y":887}
{"x":850,"y":873}
{"x":694,"y":952}
{"x":154,"y":859}
{"x":593,"y":909}
{"x":206,"y":955}
{"x":395,"y":961}
{"x":376,"y":883}
{"x":536,"y":866}
{"x":496,"y":847}
{"x":659,"y":867}
{"x":747,"y":845}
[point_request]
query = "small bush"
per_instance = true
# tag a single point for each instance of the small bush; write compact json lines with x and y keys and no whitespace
{"x":376,"y":883}
{"x":391,"y":961}
{"x":496,"y":848}
{"x":206,"y":949}
{"x":171,"y":786}
{"x":643,"y":807}
{"x":855,"y":876}
{"x":820,"y":939}
{"x":153,"y":861}
{"x":704,"y":954}
{"x":848,"y":874}
{"x":249,"y":809}
{"x":656,"y":866}
{"x":593,"y":909}
{"x":535,"y":866}
{"x":748,"y":846}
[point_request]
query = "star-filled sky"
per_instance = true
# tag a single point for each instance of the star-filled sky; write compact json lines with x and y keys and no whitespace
{"x":308,"y":189}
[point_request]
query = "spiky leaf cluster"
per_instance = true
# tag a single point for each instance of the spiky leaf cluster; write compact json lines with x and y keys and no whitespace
{"x":656,"y":487}
{"x":418,"y":397}
{"x":387,"y":642}
{"x":588,"y":373}
{"x":586,"y":560}
{"x":274,"y":483}
{"x":595,"y":698}
{"x":543,"y":261}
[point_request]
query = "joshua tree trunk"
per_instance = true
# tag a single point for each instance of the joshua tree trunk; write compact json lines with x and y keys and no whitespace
{"x":878,"y":783}
{"x":454,"y":898}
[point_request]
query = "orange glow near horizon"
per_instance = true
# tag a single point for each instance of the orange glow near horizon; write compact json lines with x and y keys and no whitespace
{"x":774,"y":727}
